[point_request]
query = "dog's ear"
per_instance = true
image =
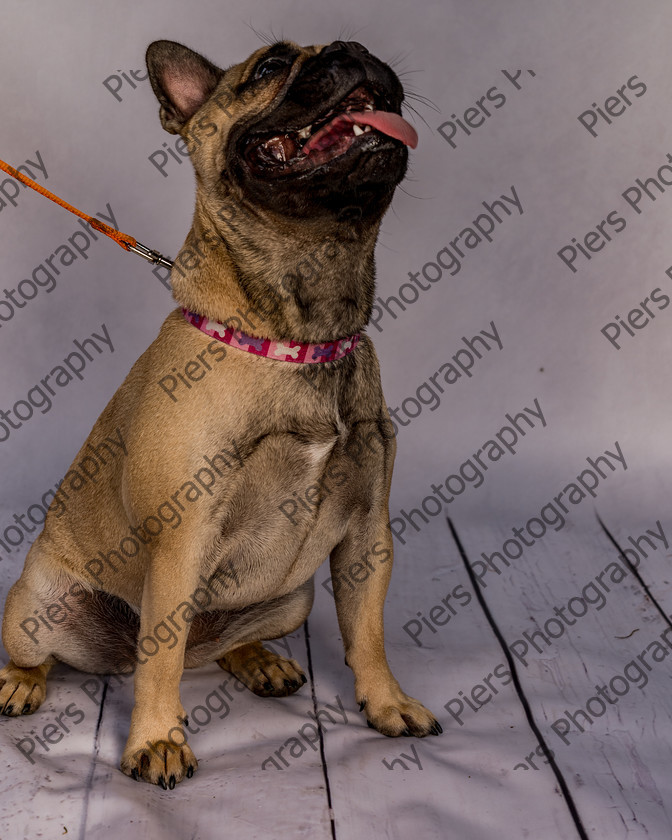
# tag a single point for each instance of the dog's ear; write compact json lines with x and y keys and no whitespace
{"x":182,"y":81}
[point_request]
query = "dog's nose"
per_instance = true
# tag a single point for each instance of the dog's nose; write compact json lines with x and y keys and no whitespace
{"x":345,"y":46}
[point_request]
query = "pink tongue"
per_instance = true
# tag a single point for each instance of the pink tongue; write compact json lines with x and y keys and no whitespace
{"x":388,"y":123}
{"x":391,"y":124}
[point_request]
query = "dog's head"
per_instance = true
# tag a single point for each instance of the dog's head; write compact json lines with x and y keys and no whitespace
{"x":297,"y":153}
{"x":302,"y":131}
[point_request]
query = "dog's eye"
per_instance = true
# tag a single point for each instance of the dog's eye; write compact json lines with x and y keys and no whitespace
{"x":270,"y":65}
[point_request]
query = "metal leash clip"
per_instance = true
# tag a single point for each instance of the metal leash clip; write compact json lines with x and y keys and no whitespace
{"x":150,"y":255}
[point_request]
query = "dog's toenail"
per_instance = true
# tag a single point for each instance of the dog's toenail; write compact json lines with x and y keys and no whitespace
{"x":162,"y":782}
{"x":134,"y":774}
{"x":26,"y":709}
{"x":362,"y":705}
{"x":268,"y":686}
{"x":370,"y":725}
{"x":9,"y":709}
{"x":171,"y":782}
{"x":304,"y":679}
{"x":190,"y":772}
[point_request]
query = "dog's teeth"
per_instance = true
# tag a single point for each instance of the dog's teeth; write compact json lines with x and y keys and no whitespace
{"x":368,"y":107}
{"x":304,"y":134}
{"x":275,"y":146}
{"x":357,"y":130}
{"x":367,"y":128}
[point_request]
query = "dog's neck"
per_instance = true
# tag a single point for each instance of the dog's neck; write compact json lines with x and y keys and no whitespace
{"x":293,"y":283}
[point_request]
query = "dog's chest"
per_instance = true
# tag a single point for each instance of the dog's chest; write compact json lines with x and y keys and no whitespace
{"x":289,"y":507}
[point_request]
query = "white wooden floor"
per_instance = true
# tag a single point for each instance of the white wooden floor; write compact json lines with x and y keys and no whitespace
{"x":481,"y":780}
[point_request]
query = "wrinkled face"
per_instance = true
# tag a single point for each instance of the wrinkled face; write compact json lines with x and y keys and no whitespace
{"x":306,"y":132}
{"x":334,"y":134}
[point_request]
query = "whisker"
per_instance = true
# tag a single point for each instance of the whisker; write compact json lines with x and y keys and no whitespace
{"x":410,"y":195}
{"x":261,"y":35}
{"x":424,"y":100}
{"x":417,"y":113}
{"x":346,"y":35}
{"x":397,"y":58}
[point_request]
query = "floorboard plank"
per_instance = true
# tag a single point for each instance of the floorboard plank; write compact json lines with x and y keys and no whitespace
{"x":44,"y":785}
{"x":230,"y":791}
{"x":616,"y":767}
{"x":466,"y":786}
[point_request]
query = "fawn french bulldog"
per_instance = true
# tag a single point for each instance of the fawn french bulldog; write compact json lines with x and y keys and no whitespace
{"x":297,"y":151}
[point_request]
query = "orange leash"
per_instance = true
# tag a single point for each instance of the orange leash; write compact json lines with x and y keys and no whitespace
{"x":128,"y":243}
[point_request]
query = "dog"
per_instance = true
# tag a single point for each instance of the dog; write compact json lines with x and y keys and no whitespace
{"x":256,"y":440}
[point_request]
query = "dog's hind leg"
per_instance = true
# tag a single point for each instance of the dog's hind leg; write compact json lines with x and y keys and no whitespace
{"x":50,"y":616}
{"x":23,"y":681}
{"x":22,"y":690}
{"x":262,"y":671}
{"x":234,"y":640}
{"x":266,"y":673}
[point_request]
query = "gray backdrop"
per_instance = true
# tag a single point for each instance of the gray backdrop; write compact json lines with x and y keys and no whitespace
{"x":96,"y":151}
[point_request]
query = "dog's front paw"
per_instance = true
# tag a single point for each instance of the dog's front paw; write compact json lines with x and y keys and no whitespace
{"x":398,"y":715}
{"x":160,"y":762}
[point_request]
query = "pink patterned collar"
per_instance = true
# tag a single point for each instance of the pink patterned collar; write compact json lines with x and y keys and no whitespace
{"x":282,"y":351}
